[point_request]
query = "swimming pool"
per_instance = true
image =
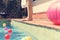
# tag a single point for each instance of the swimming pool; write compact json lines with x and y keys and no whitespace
{"x":21,"y":30}
{"x":17,"y":34}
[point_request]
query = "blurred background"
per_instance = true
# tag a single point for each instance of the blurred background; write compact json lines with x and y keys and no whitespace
{"x":12,"y":9}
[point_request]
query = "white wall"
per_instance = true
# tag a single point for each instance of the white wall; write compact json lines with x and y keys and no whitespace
{"x":41,"y":5}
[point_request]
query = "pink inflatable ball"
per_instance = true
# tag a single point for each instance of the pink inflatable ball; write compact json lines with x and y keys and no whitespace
{"x":53,"y":12}
{"x":9,"y":31}
{"x":5,"y":28}
{"x":7,"y":37}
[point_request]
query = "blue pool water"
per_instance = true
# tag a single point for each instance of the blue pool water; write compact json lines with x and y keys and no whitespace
{"x":16,"y":34}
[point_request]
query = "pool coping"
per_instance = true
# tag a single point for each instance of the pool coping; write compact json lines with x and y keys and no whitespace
{"x":43,"y":26}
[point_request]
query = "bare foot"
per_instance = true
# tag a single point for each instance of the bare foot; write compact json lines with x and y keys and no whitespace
{"x":26,"y":19}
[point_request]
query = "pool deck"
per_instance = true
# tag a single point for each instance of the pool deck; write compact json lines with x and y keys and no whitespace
{"x":40,"y":19}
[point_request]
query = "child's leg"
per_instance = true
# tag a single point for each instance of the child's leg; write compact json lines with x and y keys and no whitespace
{"x":24,"y":12}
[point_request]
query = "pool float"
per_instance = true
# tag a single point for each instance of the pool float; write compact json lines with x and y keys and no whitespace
{"x":4,"y":24}
{"x":7,"y":37}
{"x":26,"y":38}
{"x":10,"y":32}
{"x":5,"y":28}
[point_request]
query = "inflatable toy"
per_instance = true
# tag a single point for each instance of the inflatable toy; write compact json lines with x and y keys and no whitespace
{"x":7,"y":36}
{"x":5,"y":28}
{"x":26,"y":38}
{"x":4,"y":24}
{"x":9,"y":31}
{"x":53,"y":12}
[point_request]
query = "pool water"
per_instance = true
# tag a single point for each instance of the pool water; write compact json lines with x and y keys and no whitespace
{"x":16,"y":34}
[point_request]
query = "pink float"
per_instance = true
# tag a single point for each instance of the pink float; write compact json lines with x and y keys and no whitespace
{"x":9,"y":31}
{"x":5,"y":28}
{"x":53,"y":12}
{"x":7,"y":37}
